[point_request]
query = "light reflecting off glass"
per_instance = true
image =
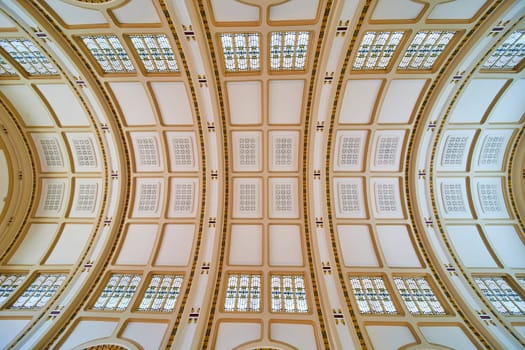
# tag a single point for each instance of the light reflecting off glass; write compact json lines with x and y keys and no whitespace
{"x":109,"y":53}
{"x":118,"y":292}
{"x":27,"y":55}
{"x":161,"y":294}
{"x":155,"y":52}
{"x":241,"y":52}
{"x":6,"y":69}
{"x":376,"y":50}
{"x":243,"y":293}
{"x":509,"y":54}
{"x":288,"y":50}
{"x":40,"y":291}
{"x":425,"y":49}
{"x":288,"y":293}
{"x":8,"y":284}
{"x":418,"y":296}
{"x":372,"y":296}
{"x":501,"y":295}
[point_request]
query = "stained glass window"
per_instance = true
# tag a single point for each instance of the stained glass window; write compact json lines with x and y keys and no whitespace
{"x":243,"y":293}
{"x":509,"y":54}
{"x":161,"y":294}
{"x":6,"y":70}
{"x":376,"y":50}
{"x":288,"y":50}
{"x":8,"y":284}
{"x":155,"y":52}
{"x":109,"y":53}
{"x":372,"y":296}
{"x":241,"y":52}
{"x":39,"y":291}
{"x":118,"y":292}
{"x":288,"y":293}
{"x":425,"y":49}
{"x":25,"y":53}
{"x":418,"y":296}
{"x":501,"y":295}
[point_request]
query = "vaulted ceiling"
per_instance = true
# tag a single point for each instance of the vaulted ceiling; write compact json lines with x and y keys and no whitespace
{"x":262,"y":174}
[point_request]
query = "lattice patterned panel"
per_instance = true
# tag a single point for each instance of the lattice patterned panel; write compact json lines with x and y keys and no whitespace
{"x":241,"y":52}
{"x":87,"y":197}
{"x":248,"y":198}
{"x":283,"y":198}
{"x":425,"y":49}
{"x":182,"y":151}
{"x":283,"y":150}
{"x":155,"y":53}
{"x":118,"y":292}
{"x":40,"y":291}
{"x":50,"y":151}
{"x":349,"y":151}
{"x":349,"y":197}
{"x":453,"y":195}
{"x":387,"y":198}
{"x":386,"y":148}
{"x":9,"y":284}
{"x":147,"y":149}
{"x":509,"y":54}
{"x":501,"y":295}
{"x":247,"y":150}
{"x":492,"y":147}
{"x":454,"y":150}
{"x":148,"y":200}
{"x":288,"y":50}
{"x":161,"y":293}
{"x":183,"y":197}
{"x":372,"y":296}
{"x":288,"y":293}
{"x":27,"y":55}
{"x":418,"y":296}
{"x":108,"y":51}
{"x":84,"y":150}
{"x":6,"y":70}
{"x":376,"y":50}
{"x":52,"y":200}
{"x":243,"y":293}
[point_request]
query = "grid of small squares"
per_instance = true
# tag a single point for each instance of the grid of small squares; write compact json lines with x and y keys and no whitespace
{"x":27,"y":55}
{"x":149,"y":196}
{"x":453,"y":198}
{"x":509,"y":54}
{"x":418,"y":296}
{"x":288,"y":50}
{"x":350,"y":150}
{"x":39,"y":292}
{"x":386,"y":150}
{"x":491,"y":150}
{"x":385,"y":197}
{"x":54,"y":196}
{"x":283,"y":151}
{"x":147,"y":149}
{"x":241,"y":52}
{"x":247,"y":151}
{"x":8,"y":284}
{"x":248,"y":197}
{"x":425,"y":49}
{"x":454,"y":150}
{"x":489,"y":198}
{"x":501,"y":295}
{"x":183,"y":197}
{"x":372,"y":296}
{"x":376,"y":50}
{"x":183,"y":149}
{"x":109,"y":53}
{"x":283,"y":197}
{"x":85,"y":152}
{"x":349,"y":197}
{"x":52,"y":153}
{"x":87,"y":196}
{"x":161,"y":294}
{"x":155,"y":52}
{"x":243,"y":293}
{"x":118,"y":292}
{"x":288,"y":293}
{"x":6,"y":70}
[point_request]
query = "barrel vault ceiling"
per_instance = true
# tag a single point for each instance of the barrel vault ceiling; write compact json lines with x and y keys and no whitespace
{"x":262,"y":174}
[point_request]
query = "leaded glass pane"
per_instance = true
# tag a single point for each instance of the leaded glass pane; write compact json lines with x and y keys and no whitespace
{"x":25,"y":53}
{"x":376,"y":50}
{"x":288,"y":50}
{"x":372,"y":296}
{"x":425,"y":49}
{"x":288,"y":293}
{"x":6,"y":70}
{"x":243,"y":293}
{"x":155,"y":52}
{"x":109,"y":53}
{"x":418,"y":296}
{"x":241,"y":52}
{"x":161,"y":294}
{"x":509,"y":54}
{"x":118,"y":292}
{"x":8,"y":284}
{"x":39,"y":292}
{"x":501,"y":295}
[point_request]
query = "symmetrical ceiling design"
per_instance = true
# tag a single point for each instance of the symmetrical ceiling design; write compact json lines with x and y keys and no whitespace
{"x":242,"y":174}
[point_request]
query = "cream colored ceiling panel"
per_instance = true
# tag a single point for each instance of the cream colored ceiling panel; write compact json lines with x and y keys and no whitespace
{"x":300,"y":336}
{"x":87,"y":198}
{"x":490,"y":149}
{"x":147,"y":151}
{"x":386,"y":198}
{"x":75,"y":15}
{"x":488,"y":197}
{"x":293,"y":10}
{"x":136,"y":11}
{"x":5,"y":22}
{"x":387,"y":147}
{"x":350,"y":150}
{"x":182,"y":148}
{"x":64,"y":104}
{"x":138,"y":244}
{"x":134,"y":103}
{"x":507,"y":244}
{"x":399,"y":101}
{"x":450,"y":336}
{"x":232,"y":334}
{"x":454,"y":150}
{"x":246,"y":245}
{"x":349,"y":198}
{"x":357,"y":246}
{"x":247,"y":199}
{"x":9,"y":329}
{"x":452,"y":198}
{"x":234,"y":11}
{"x":51,"y":151}
{"x":176,"y":245}
{"x":469,"y":246}
{"x":173,"y":103}
{"x":87,"y":329}
{"x":149,"y":197}
{"x":511,"y":106}
{"x":283,"y":150}
{"x":389,"y":337}
{"x":247,"y":150}
{"x":283,"y":198}
{"x":28,"y":105}
{"x":52,"y":198}
{"x":359,"y":101}
{"x":397,"y":247}
{"x":285,"y":101}
{"x":459,"y":9}
{"x":285,"y":245}
{"x":475,"y":100}
{"x":183,"y":197}
{"x":35,"y":244}
{"x":85,"y":151}
{"x":148,"y":334}
{"x":70,"y":244}
{"x":396,"y":10}
{"x":244,"y":99}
